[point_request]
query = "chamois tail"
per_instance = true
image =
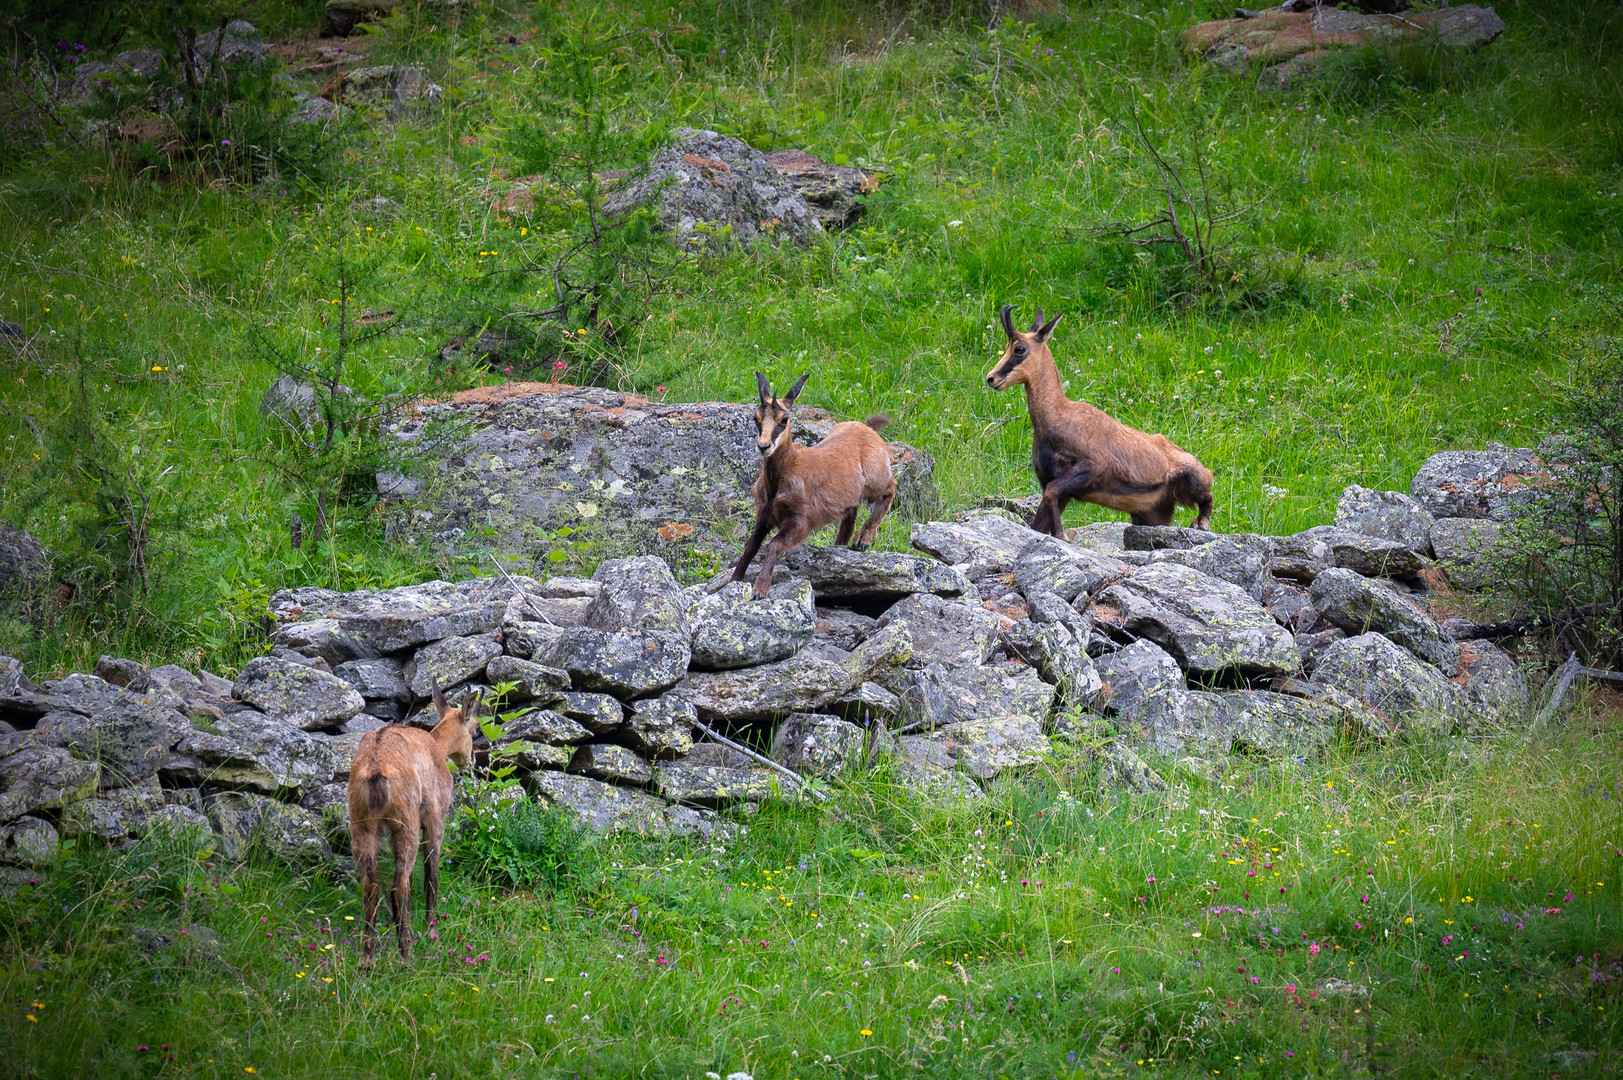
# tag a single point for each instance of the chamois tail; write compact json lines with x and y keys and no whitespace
{"x":878,"y":421}
{"x":377,"y":793}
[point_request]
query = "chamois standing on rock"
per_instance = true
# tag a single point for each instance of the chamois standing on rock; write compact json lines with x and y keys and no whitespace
{"x":1080,"y":452}
{"x":803,"y":488}
{"x":399,"y":782}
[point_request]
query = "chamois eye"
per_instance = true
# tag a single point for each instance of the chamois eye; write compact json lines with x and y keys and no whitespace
{"x":1019,"y":350}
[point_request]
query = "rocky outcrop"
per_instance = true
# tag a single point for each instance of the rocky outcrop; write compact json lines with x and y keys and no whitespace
{"x":833,"y":192}
{"x":1208,"y":626}
{"x":25,"y":567}
{"x":1359,"y":604}
{"x":643,"y":477}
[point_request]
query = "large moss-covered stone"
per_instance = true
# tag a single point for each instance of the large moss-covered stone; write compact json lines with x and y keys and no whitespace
{"x":1051,"y":565}
{"x":821,"y":745}
{"x":285,"y":831}
{"x":714,"y":785}
{"x":1390,"y":515}
{"x":603,"y":808}
{"x":448,"y":662}
{"x":1241,"y":559}
{"x":1059,"y":657}
{"x":27,"y":841}
{"x":800,"y":684}
{"x":1358,"y":605}
{"x":752,"y":632}
{"x":1179,"y":722}
{"x":1490,"y":483}
{"x":670,"y":478}
{"x":663,"y":727}
{"x":845,"y":575}
{"x":616,"y":764}
{"x":628,"y":663}
{"x":1390,"y":680}
{"x":1136,"y":672}
{"x":36,"y":777}
{"x":545,"y":726}
{"x":638,"y":593}
{"x":295,"y":694}
{"x":249,"y":751}
{"x":882,"y":653}
{"x":1207,"y":625}
{"x":599,"y":713}
{"x":945,"y":631}
{"x":375,"y":680}
{"x":131,"y":735}
{"x":528,"y":680}
{"x":364,"y":624}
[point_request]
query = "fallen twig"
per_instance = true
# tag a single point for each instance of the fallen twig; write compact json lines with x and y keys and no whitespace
{"x":763,"y":759}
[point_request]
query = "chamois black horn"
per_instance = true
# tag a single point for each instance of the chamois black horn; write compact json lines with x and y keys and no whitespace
{"x":763,"y":388}
{"x":1007,"y":315}
{"x":1037,"y":323}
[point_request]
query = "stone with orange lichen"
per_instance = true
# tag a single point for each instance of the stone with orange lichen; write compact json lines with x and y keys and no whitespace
{"x":1275,"y":38}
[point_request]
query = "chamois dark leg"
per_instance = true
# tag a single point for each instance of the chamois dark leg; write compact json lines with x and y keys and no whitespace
{"x":1076,"y":483}
{"x":790,"y":536}
{"x":363,"y":841}
{"x":433,"y":835}
{"x":751,"y":546}
{"x":848,"y":525}
{"x":870,"y":528}
{"x":404,"y":837}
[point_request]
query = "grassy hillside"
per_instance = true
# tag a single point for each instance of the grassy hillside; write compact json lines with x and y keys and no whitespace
{"x":1420,"y":241}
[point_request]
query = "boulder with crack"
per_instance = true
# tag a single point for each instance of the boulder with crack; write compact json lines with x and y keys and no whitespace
{"x":1135,"y":672}
{"x":698,"y":784}
{"x":250,"y":751}
{"x":1059,"y":657}
{"x":663,"y":727}
{"x":449,"y":662}
{"x":821,"y":745}
{"x":629,"y":664}
{"x":1241,"y":559}
{"x":1208,"y":626}
{"x":983,"y":545}
{"x":612,"y":763}
{"x":752,"y":632}
{"x":1390,"y":515}
{"x":1495,"y":687}
{"x":35,"y":777}
{"x":945,"y":631}
{"x":1357,"y":605}
{"x":802,"y":683}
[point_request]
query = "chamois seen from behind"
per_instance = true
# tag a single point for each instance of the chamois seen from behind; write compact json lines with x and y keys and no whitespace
{"x":803,"y":488}
{"x":399,"y":782}
{"x":1081,"y":452}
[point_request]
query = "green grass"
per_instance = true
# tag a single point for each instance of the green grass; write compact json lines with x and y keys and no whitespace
{"x":878,"y":936}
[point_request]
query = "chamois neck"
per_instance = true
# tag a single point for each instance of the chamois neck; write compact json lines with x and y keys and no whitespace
{"x":444,"y":733}
{"x":781,"y":461}
{"x":1045,"y":397}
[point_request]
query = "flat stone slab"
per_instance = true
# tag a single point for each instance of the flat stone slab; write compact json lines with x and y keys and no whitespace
{"x":714,"y":785}
{"x":1207,"y":625}
{"x":603,"y":808}
{"x":299,"y":695}
{"x":801,"y":684}
{"x":1358,"y":605}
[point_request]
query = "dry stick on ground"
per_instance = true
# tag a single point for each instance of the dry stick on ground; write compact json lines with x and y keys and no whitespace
{"x":768,"y":762}
{"x":1563,"y":682}
{"x":521,"y":593}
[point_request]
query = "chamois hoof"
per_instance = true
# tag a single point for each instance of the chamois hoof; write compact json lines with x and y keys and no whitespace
{"x":859,"y":547}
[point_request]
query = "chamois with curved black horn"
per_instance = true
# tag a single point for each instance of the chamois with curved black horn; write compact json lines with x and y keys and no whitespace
{"x":803,"y":488}
{"x":1080,"y":452}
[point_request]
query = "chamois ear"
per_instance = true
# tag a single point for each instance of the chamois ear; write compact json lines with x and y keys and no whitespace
{"x":1037,"y":323}
{"x":763,"y":388}
{"x":470,"y":710}
{"x":1047,"y":328}
{"x":794,"y":391}
{"x":441,"y":706}
{"x":1006,"y":315}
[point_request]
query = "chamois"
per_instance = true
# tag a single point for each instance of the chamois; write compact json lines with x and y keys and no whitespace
{"x":1080,"y":452}
{"x":803,"y":488}
{"x":399,"y":781}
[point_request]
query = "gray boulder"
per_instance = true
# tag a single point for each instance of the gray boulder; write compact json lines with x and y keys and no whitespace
{"x":249,"y":751}
{"x":529,"y":681}
{"x":821,"y":745}
{"x":831,"y":191}
{"x":119,"y":671}
{"x":638,"y":593}
{"x":991,"y":717}
{"x":1311,"y":646}
{"x":1241,"y":559}
{"x":1136,"y":672}
{"x":885,"y":652}
{"x":1177,"y":722}
{"x":25,"y":566}
{"x":449,"y":662}
{"x":1207,"y":625}
{"x":27,"y":841}
{"x":237,"y":42}
{"x":1358,"y":605}
{"x":1054,"y":566}
{"x":1105,"y":537}
{"x":602,"y":808}
{"x":926,"y":769}
{"x":545,"y":726}
{"x":1495,"y":687}
{"x":1059,"y":658}
{"x":1464,"y":546}
{"x":984,"y":545}
{"x":296,"y":695}
{"x":628,"y":664}
{"x":801,"y":684}
{"x":1164,"y":537}
{"x":714,"y":785}
{"x":366,"y":624}
{"x":704,"y":182}
{"x":35,"y":777}
{"x":755,"y":632}
{"x":1303,"y":556}
{"x":615,"y":764}
{"x":1489,"y":483}
{"x":868,"y":703}
{"x":599,"y":713}
{"x":841,"y":574}
{"x":663,"y":727}
{"x":1391,"y":681}
{"x":129,"y":734}
{"x":945,"y":631}
{"x":533,"y":757}
{"x":288,"y":833}
{"x":1292,"y":606}
{"x":841,"y":628}
{"x":1371,"y":556}
{"x":1388,"y":515}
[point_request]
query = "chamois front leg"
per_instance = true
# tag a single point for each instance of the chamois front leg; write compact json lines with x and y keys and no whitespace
{"x":790,"y":536}
{"x":364,"y":843}
{"x":848,"y":525}
{"x":751,"y":546}
{"x":433,"y":835}
{"x":1075,"y":483}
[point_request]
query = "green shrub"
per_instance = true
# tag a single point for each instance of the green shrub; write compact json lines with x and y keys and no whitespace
{"x":517,"y":842}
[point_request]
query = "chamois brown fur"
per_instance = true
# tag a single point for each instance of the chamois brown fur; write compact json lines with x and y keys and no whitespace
{"x":803,"y":488}
{"x":399,"y":782}
{"x":1081,"y":452}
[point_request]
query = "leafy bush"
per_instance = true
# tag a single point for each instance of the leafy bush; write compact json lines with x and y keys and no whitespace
{"x":1561,"y":557}
{"x":517,"y":842}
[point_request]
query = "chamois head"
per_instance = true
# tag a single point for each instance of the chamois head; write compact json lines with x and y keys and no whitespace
{"x":1022,"y":347}
{"x":457,"y":726}
{"x":772,"y":415}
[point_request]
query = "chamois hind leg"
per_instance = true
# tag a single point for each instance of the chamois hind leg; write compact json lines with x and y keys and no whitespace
{"x":790,"y":536}
{"x":403,"y":834}
{"x":751,"y":546}
{"x":363,"y":842}
{"x":848,"y":525}
{"x":870,"y":528}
